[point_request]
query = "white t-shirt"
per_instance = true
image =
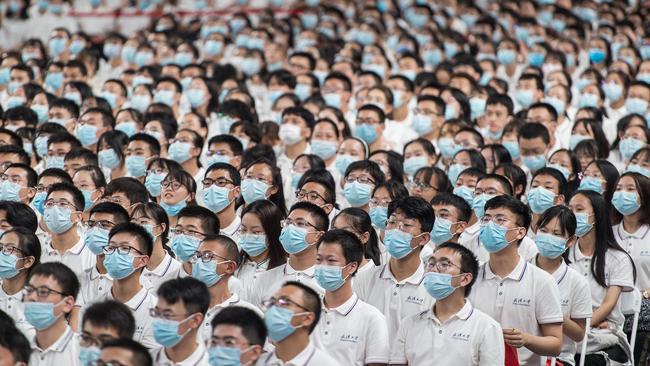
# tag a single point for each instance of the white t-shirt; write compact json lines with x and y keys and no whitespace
{"x":637,"y":245}
{"x":65,"y":351}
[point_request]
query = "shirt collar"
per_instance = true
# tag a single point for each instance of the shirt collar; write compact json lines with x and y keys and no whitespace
{"x":136,"y":301}
{"x":288,"y":270}
{"x":75,"y":250}
{"x":193,"y":359}
{"x":94,"y":274}
{"x":231,"y":229}
{"x":301,"y":358}
{"x":561,"y":272}
{"x":577,"y":253}
{"x":463,"y":314}
{"x":345,"y":308}
{"x":517,"y":274}
{"x":164,"y":266}
{"x":414,"y":279}
{"x":232,"y":300}
{"x":639,"y":234}
{"x":60,"y":344}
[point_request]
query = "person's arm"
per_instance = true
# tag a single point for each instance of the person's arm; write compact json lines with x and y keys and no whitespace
{"x":609,"y":302}
{"x":548,"y":344}
{"x":574,"y":329}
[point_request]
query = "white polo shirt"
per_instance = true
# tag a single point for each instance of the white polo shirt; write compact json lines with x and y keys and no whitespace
{"x":524,"y":299}
{"x":310,"y":356}
{"x":249,"y":271}
{"x":166,"y":270}
{"x":637,"y":245}
{"x":618,"y":272}
{"x":94,"y":285}
{"x":65,"y":351}
{"x":395,"y":299}
{"x":205,"y":332}
{"x":470,"y":239}
{"x":78,"y":258}
{"x":199,"y":357}
{"x":354,"y":333}
{"x":13,"y":306}
{"x":232,"y":230}
{"x":575,"y":300}
{"x":140,"y":305}
{"x":270,"y":281}
{"x":470,"y":337}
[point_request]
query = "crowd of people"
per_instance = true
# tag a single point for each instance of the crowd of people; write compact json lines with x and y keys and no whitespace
{"x":403,"y":182}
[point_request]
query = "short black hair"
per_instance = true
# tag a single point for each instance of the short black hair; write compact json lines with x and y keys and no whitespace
{"x":301,"y":112}
{"x":501,"y":99}
{"x":154,"y":145}
{"x":209,"y":220}
{"x":373,"y":108}
{"x":21,"y":113}
{"x":350,"y":245}
{"x":192,"y":292}
{"x":66,"y":104}
{"x":534,"y":130}
{"x":57,"y":173}
{"x":132,"y":188}
{"x":19,"y":214}
{"x":17,"y":150}
{"x":62,"y":274}
{"x":463,"y":208}
{"x":311,"y":300}
{"x":15,"y":341}
{"x":414,"y":208}
{"x":233,"y":173}
{"x":369,"y":166}
{"x":233,"y":143}
{"x":64,"y":138}
{"x":89,"y":157}
{"x":77,"y":197}
{"x":118,"y":212}
{"x":251,"y":324}
{"x":140,"y":235}
{"x":468,"y":262}
{"x":321,"y":220}
{"x":110,"y":314}
{"x":141,"y":356}
{"x":518,"y":208}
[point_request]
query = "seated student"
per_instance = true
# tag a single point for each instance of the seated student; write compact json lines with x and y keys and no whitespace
{"x":142,"y":148}
{"x":221,"y":187}
{"x":358,"y":222}
{"x":127,"y":253}
{"x":301,"y":230}
{"x":407,"y":231}
{"x":548,"y":188}
{"x":293,"y":312}
{"x":102,"y":322}
{"x":224,"y":149}
{"x":126,"y":352}
{"x":16,"y":214}
{"x":317,"y":186}
{"x":58,"y":145}
{"x":295,"y":131}
{"x":464,"y":187}
{"x":14,"y":346}
{"x":524,"y":299}
{"x":344,"y":316}
{"x":185,"y":150}
{"x":77,"y":158}
{"x":63,"y":209}
{"x":452,"y":217}
{"x":49,"y":297}
{"x":214,"y":264}
{"x":359,"y":180}
{"x":20,"y":252}
{"x":18,"y":183}
{"x":238,"y":335}
{"x":453,"y":330}
{"x":95,"y":281}
{"x":178,"y":191}
{"x":177,"y":318}
{"x":126,"y":192}
{"x":193,"y":224}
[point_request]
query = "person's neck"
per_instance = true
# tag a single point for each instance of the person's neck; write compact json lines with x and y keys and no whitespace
{"x":377,"y":145}
{"x":330,"y":161}
{"x":12,"y":286}
{"x":433,"y":135}
{"x":502,"y":263}
{"x":632,"y":223}
{"x":47,"y":337}
{"x":334,"y":299}
{"x":115,"y":62}
{"x":472,"y":220}
{"x":400,"y":114}
{"x":510,"y":69}
{"x":548,"y":264}
{"x":365,"y":207}
{"x":291,"y":346}
{"x":187,"y":267}
{"x":533,"y":221}
{"x":191,"y":166}
{"x":100,"y":264}
{"x":227,"y":216}
{"x":119,"y":172}
{"x":260,"y":258}
{"x":405,"y":267}
{"x":303,"y":260}
{"x":219,"y":292}
{"x":203,"y":110}
{"x":587,"y":244}
{"x":172,"y":221}
{"x":617,"y":104}
{"x":157,"y":255}
{"x":450,"y":305}
{"x":123,"y":290}
{"x":66,"y":240}
{"x":183,"y":349}
{"x":292,"y":151}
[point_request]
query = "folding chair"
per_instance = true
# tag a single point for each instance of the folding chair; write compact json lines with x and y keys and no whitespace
{"x":631,"y":305}
{"x":584,"y":343}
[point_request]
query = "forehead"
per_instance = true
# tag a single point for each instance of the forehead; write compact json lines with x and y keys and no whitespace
{"x":446,"y":253}
{"x":218,"y":173}
{"x":227,"y":330}
{"x":330,"y":249}
{"x":299,"y":213}
{"x":48,"y":281}
{"x":189,"y":221}
{"x":61,"y":195}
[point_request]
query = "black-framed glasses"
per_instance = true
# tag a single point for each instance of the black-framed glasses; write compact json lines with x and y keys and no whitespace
{"x":301,"y":223}
{"x":102,"y":224}
{"x":219,"y":182}
{"x":441,"y":266}
{"x":42,"y":291}
{"x":207,"y":256}
{"x":120,"y":250}
{"x":310,"y":195}
{"x":87,"y":340}
{"x":282,"y":302}
{"x":9,"y":248}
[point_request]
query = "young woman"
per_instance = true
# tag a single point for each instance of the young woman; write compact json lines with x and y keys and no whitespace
{"x":462,"y":160}
{"x":600,"y":176}
{"x":568,"y":164}
{"x":555,"y":233}
{"x":640,"y":162}
{"x":263,"y":180}
{"x":156,"y":172}
{"x":110,"y":153}
{"x":325,"y":140}
{"x":259,"y":240}
{"x":547,"y":189}
{"x":303,"y":163}
{"x":428,"y":182}
{"x":90,"y":181}
{"x":162,"y":265}
{"x":129,"y":121}
{"x":357,"y":221}
{"x":608,"y":269}
{"x":178,"y":191}
{"x":495,"y":155}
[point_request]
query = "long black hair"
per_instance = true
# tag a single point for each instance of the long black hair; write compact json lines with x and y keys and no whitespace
{"x":361,"y":223}
{"x":566,"y":220}
{"x":270,"y":217}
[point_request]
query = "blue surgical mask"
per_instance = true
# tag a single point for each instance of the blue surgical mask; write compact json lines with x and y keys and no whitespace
{"x":588,"y":100}
{"x":39,"y":202}
{"x":636,"y":105}
{"x":582,"y":223}
{"x":41,"y":112}
{"x":478,"y":203}
{"x":111,"y":98}
{"x":421,"y":124}
{"x":303,"y":91}
{"x":441,"y":231}
{"x":466,"y":193}
{"x":556,"y":103}
{"x":87,"y":134}
{"x":592,"y":184}
{"x":379,"y":216}
{"x":96,"y":239}
{"x":636,"y":168}
{"x":398,"y":243}
{"x":506,"y":57}
{"x":58,"y":219}
{"x":493,"y":237}
{"x":206,"y":272}
{"x":40,"y":314}
{"x":613,"y":91}
{"x":140,"y":102}
{"x":513,"y":148}
{"x":165,"y":332}
{"x":413,"y":164}
{"x":366,"y":132}
{"x":253,"y":190}
{"x":596,"y":55}
{"x":57,"y":46}
{"x":324,"y":149}
{"x":342,"y":162}
{"x":438,"y":285}
{"x":136,"y":165}
{"x":626,"y":202}
{"x":448,"y":147}
{"x":129,"y":128}
{"x":108,"y":159}
{"x":534,"y":162}
{"x":525,"y":97}
{"x":164,"y":96}
{"x":180,"y":151}
{"x":8,"y":266}
{"x":88,"y":355}
{"x":540,"y":199}
{"x":213,"y":47}
{"x":278,"y":322}
{"x":54,"y":162}
{"x":184,"y":246}
{"x":119,"y":265}
{"x":454,"y":172}
{"x":565,"y":172}
{"x":216,"y":198}
{"x":253,"y":245}
{"x":88,"y":198}
{"x":41,"y":145}
{"x":329,"y":278}
{"x":172,"y":209}
{"x":357,"y":194}
{"x":196,"y":97}
{"x":10,"y":191}
{"x":629,"y":146}
{"x":293,"y":239}
{"x":477,"y":107}
{"x":550,"y":246}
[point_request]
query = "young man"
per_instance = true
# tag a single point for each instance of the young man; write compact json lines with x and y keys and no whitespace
{"x":221,"y":187}
{"x":352,"y":331}
{"x":78,"y":158}
{"x":224,"y":149}
{"x":360,"y":179}
{"x":63,"y":212}
{"x":454,"y":332}
{"x":535,"y":144}
{"x":428,"y":117}
{"x":318,"y":187}
{"x":193,"y":225}
{"x":102,"y":322}
{"x":530,"y":90}
{"x":19,"y":184}
{"x":126,"y":192}
{"x":63,"y":112}
{"x":14,"y":347}
{"x":452,"y":218}
{"x":58,"y":146}
{"x":237,"y":328}
{"x":185,"y":150}
{"x":545,"y":114}
{"x":177,"y":318}
{"x":142,"y":148}
{"x":409,"y":223}
{"x":498,"y":112}
{"x":92,"y":124}
{"x":126,"y":255}
{"x":214,"y":265}
{"x":49,"y":296}
{"x":301,"y":230}
{"x":295,"y":130}
{"x":291,"y":316}
{"x":370,"y":125}
{"x":524,"y":299}
{"x":125,"y":351}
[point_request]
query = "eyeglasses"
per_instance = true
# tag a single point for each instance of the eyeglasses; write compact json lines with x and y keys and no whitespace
{"x":101,"y":224}
{"x":404,"y":225}
{"x":379,"y":203}
{"x":220,"y":182}
{"x":421,"y":186}
{"x":42,"y":291}
{"x":175,"y":185}
{"x":120,"y":250}
{"x":206,"y":257}
{"x":164,"y":314}
{"x":87,"y":340}
{"x":426,"y":112}
{"x":114,"y":199}
{"x":301,"y":223}
{"x":188,"y":232}
{"x":498,"y":219}
{"x":9,"y":248}
{"x":282,"y":302}
{"x":60,"y":204}
{"x":441,"y":266}
{"x":156,"y":171}
{"x":311,"y":195}
{"x":362,"y":180}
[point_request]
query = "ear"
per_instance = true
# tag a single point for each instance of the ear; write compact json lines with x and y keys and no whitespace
{"x":425,"y":239}
{"x":28,"y":262}
{"x":144,"y":260}
{"x":521,"y":233}
{"x":559,"y":200}
{"x":196,"y":151}
{"x":236,"y":161}
{"x":352,"y":266}
{"x":272,"y":190}
{"x":31,"y":192}
{"x":328,"y":207}
{"x":466,"y":280}
{"x":571,"y":241}
{"x":308,"y":320}
{"x":236,"y":191}
{"x":460,"y":227}
{"x":364,"y":238}
{"x":68,"y":304}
